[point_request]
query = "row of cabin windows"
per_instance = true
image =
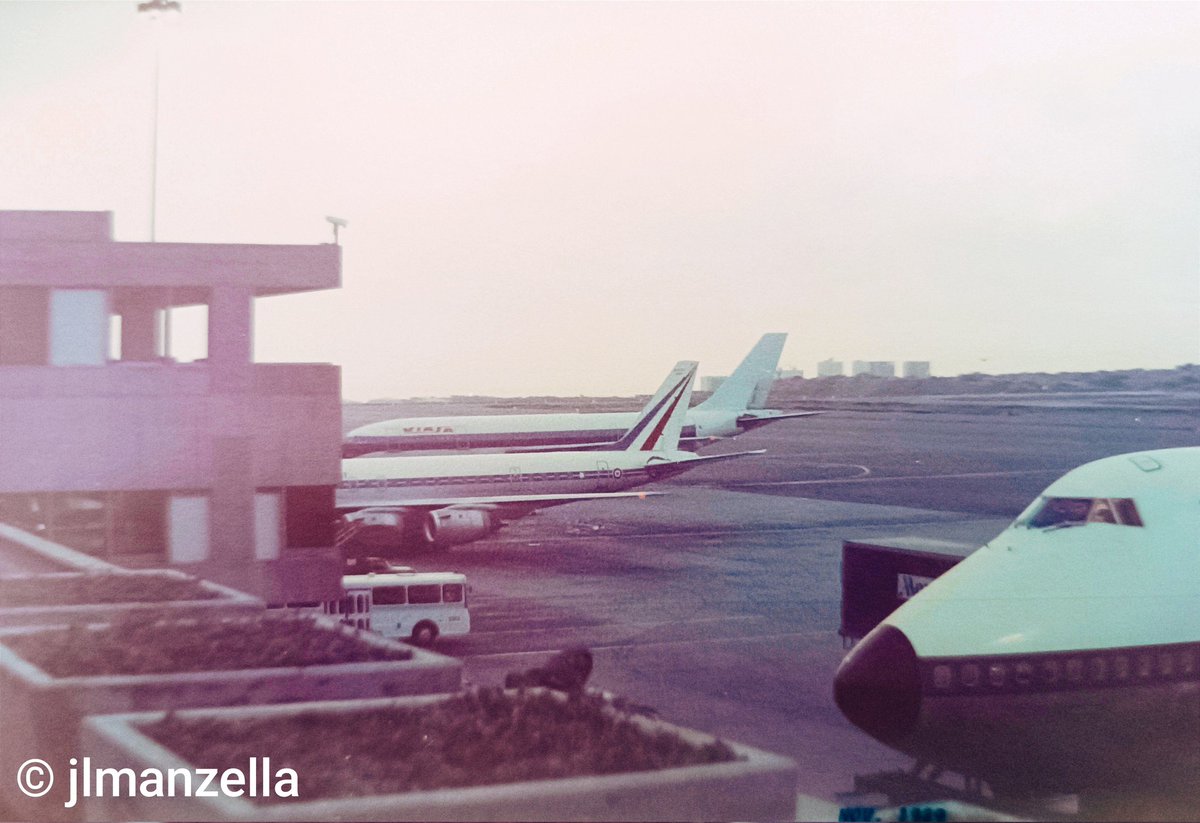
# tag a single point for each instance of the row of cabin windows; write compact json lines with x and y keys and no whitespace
{"x":398,"y":482}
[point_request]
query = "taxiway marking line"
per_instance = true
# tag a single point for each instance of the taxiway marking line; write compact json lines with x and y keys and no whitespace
{"x":878,"y":478}
{"x":951,"y":517}
{"x":605,"y":646}
{"x":499,"y":632}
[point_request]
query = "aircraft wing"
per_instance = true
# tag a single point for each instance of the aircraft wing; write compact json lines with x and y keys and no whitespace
{"x":506,"y":505}
{"x":752,"y":420}
{"x":713,"y":458}
{"x":661,"y":471}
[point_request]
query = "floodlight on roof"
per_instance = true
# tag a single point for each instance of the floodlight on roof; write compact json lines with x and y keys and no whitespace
{"x":337,"y":223}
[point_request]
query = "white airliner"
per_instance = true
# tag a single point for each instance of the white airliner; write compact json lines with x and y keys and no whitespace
{"x":735,"y":407}
{"x":1065,"y":654}
{"x":441,"y":500}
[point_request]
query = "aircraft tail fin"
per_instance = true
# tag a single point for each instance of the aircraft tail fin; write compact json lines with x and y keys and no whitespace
{"x":660,"y":422}
{"x":750,"y":383}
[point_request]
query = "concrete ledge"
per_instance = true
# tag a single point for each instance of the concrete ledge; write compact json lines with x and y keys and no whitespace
{"x":264,"y":269}
{"x":757,"y":786}
{"x":41,"y":715}
{"x":224,"y":602}
{"x":53,"y":553}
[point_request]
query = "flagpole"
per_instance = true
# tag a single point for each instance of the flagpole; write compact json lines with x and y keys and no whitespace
{"x":155,"y":8}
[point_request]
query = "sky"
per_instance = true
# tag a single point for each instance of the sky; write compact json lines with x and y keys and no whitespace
{"x":566,"y":198}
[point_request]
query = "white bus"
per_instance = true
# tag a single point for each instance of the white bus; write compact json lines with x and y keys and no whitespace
{"x":414,"y":606}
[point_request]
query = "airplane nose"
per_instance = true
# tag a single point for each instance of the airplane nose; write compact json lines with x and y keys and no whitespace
{"x":878,"y":685}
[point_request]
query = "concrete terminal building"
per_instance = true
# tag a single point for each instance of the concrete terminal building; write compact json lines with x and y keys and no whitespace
{"x":222,"y":467}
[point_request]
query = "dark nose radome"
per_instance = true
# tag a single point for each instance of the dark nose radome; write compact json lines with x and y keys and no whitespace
{"x":878,"y":685}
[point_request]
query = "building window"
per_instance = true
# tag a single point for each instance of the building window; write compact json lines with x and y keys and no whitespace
{"x":309,"y":517}
{"x":79,"y":327}
{"x":268,"y":524}
{"x":77,"y":520}
{"x":188,"y":529}
{"x":105,"y":524}
{"x":188,"y":328}
{"x":139,"y":523}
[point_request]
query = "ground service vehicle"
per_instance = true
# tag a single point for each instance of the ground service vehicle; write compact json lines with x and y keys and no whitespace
{"x":413,"y":606}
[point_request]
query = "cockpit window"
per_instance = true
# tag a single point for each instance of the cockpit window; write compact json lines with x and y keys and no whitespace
{"x":1076,"y":511}
{"x":1101,"y":512}
{"x":1127,"y":513}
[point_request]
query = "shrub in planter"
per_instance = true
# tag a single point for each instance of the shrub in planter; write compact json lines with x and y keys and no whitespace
{"x":136,"y":647}
{"x":52,"y":677}
{"x":70,"y":597}
{"x":484,"y":754}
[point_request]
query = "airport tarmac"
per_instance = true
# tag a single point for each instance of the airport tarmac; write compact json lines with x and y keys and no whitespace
{"x":717,"y":605}
{"x":727,"y":625}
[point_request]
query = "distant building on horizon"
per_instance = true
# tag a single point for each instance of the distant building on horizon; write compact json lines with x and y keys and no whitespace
{"x":831,"y":368}
{"x":916,"y":368}
{"x":783,"y":374}
{"x":875,"y":368}
{"x":711,"y":383}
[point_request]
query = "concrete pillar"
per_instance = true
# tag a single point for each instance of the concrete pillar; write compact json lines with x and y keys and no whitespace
{"x":230,"y":338}
{"x":139,"y":328}
{"x":232,"y":513}
{"x":24,"y":326}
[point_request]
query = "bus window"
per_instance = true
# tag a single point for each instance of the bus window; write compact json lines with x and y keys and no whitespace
{"x":388,"y":596}
{"x":424,"y":594}
{"x":452,"y":593}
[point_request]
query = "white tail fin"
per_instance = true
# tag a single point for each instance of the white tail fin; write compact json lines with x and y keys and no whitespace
{"x":748,"y":386}
{"x":659,"y":423}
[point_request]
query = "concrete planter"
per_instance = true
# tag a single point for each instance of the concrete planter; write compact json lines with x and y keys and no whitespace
{"x":223,"y":602}
{"x":40,"y":714}
{"x":756,"y":786}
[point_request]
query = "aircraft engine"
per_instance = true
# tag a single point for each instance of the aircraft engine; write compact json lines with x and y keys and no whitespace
{"x":447,"y":527}
{"x":375,"y":529}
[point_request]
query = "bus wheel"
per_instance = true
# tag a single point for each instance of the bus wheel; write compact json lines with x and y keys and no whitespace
{"x":424,"y":633}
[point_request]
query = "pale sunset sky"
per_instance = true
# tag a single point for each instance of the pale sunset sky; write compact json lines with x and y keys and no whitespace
{"x":566,"y":198}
